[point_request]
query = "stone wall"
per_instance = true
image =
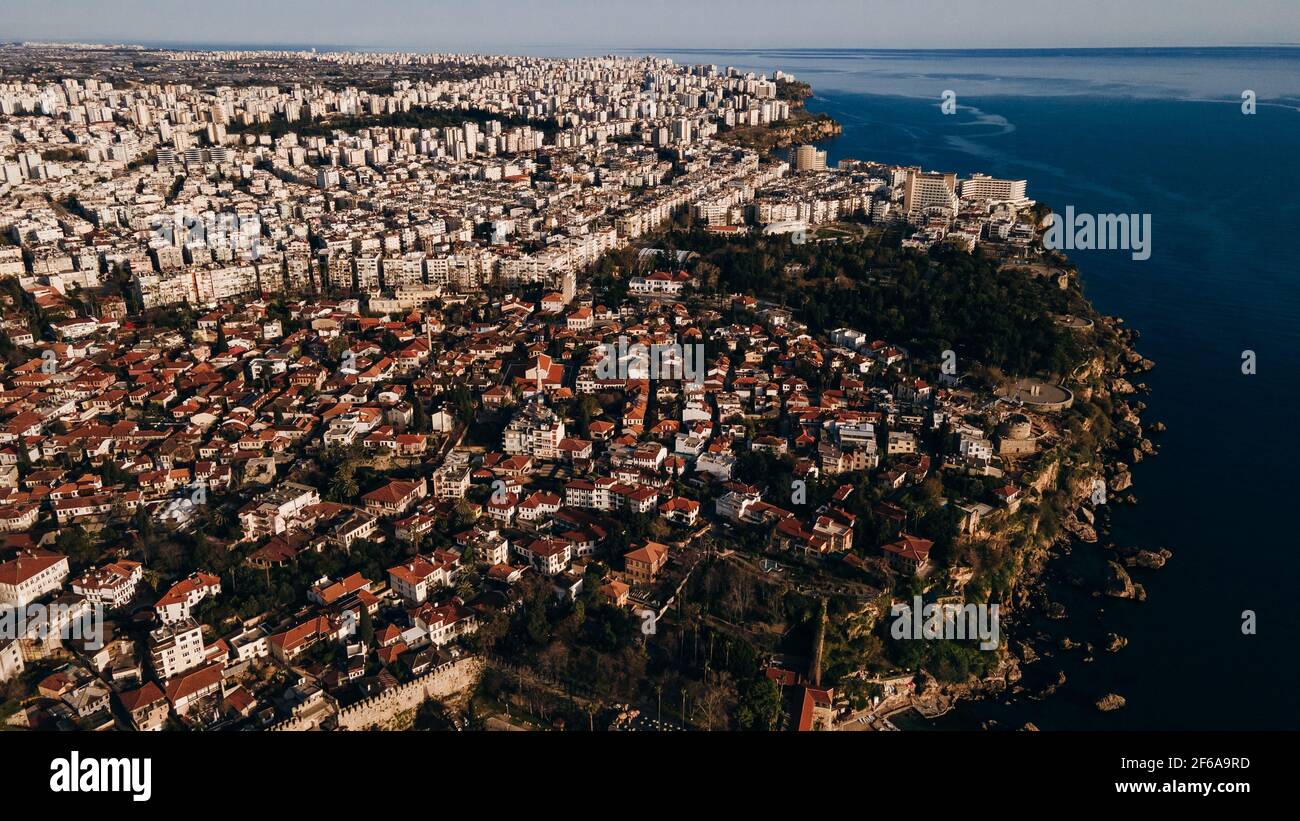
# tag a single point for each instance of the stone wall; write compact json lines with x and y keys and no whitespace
{"x":388,"y":711}
{"x":395,"y":709}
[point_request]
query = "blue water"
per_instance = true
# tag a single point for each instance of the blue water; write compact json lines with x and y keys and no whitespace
{"x":1159,"y":132}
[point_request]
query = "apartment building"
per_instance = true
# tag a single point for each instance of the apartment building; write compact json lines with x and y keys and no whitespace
{"x":925,"y":190}
{"x":535,"y":430}
{"x":272,"y":512}
{"x":30,"y":575}
{"x":112,"y":585}
{"x":175,"y":648}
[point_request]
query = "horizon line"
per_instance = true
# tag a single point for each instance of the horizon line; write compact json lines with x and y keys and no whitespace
{"x":184,"y":45}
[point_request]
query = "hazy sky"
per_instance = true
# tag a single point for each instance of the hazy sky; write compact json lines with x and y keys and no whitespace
{"x":500,"y":25}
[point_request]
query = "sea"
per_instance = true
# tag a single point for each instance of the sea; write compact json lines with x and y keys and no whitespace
{"x":1164,"y":132}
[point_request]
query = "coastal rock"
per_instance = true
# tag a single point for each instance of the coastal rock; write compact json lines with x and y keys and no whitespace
{"x":1122,"y":386}
{"x":1052,"y":687}
{"x":1121,"y":481}
{"x":1067,"y":643}
{"x":807,"y":129}
{"x":1115,"y":642}
{"x":1148,"y":559}
{"x":1026,"y":652}
{"x":1148,"y":447}
{"x":1110,"y":702}
{"x":1029,"y":727}
{"x":1081,"y":531}
{"x":1118,"y":583}
{"x":1055,"y":610}
{"x":1013,"y":673}
{"x":1159,"y":427}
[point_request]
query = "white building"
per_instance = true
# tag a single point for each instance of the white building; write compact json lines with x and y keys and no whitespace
{"x":271,"y":512}
{"x":984,"y":187}
{"x":112,"y":585}
{"x":11,"y":659}
{"x":536,"y":431}
{"x":30,"y":575}
{"x":415,"y":579}
{"x":175,"y":648}
{"x":175,"y":604}
{"x":976,"y":449}
{"x":924,"y":191}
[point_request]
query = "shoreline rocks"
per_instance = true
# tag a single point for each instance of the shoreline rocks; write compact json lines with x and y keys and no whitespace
{"x":1146,"y":559}
{"x":1121,"y":481}
{"x":1081,"y":531}
{"x":1118,"y":583}
{"x":1110,"y":702}
{"x":1088,"y":521}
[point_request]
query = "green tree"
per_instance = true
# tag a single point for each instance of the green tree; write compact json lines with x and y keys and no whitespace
{"x":343,"y":487}
{"x":760,"y":706}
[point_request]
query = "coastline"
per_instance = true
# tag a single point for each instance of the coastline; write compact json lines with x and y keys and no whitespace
{"x":1022,"y":645}
{"x":1087,"y":526}
{"x":1197,"y":310}
{"x":803,"y":126}
{"x":808,"y":128}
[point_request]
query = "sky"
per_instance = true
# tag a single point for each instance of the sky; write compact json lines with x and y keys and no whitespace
{"x":593,"y":25}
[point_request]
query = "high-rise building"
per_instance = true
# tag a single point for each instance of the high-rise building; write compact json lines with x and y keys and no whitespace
{"x":808,"y":158}
{"x":929,"y":190}
{"x":984,"y":187}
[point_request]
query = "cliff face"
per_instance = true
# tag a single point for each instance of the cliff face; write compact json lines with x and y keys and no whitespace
{"x":797,"y":131}
{"x":808,"y":131}
{"x":1072,"y":490}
